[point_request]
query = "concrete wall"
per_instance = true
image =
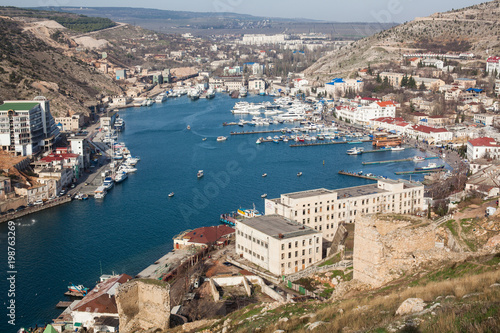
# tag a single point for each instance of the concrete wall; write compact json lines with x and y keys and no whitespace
{"x":143,"y":305}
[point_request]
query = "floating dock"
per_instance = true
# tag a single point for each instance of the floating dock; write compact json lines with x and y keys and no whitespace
{"x":74,"y":294}
{"x":308,"y":144}
{"x":393,"y":161}
{"x":258,"y":132}
{"x":353,"y":174}
{"x":63,"y":304}
{"x":417,"y":171}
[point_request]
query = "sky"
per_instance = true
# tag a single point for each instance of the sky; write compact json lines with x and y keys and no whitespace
{"x":381,"y":11}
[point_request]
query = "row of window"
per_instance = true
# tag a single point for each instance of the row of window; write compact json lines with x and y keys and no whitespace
{"x":252,"y":253}
{"x":296,"y":263}
{"x":253,"y":239}
{"x":304,"y":242}
{"x":289,"y":256}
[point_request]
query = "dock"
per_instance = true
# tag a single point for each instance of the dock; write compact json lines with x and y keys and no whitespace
{"x":63,"y":304}
{"x":308,"y":144}
{"x":417,"y":171}
{"x":258,"y":132}
{"x":394,"y":161}
{"x":353,"y":174}
{"x":74,"y":294}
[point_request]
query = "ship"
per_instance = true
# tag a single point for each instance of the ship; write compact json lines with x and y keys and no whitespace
{"x":386,"y":140}
{"x":430,"y":167}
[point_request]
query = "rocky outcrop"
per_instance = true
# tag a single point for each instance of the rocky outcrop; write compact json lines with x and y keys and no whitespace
{"x":143,"y":305}
{"x":409,"y":306}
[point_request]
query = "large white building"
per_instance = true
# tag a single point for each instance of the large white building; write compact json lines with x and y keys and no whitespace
{"x":429,"y":134}
{"x":390,"y":124}
{"x":25,"y":126}
{"x":482,"y":148}
{"x":260,"y":39}
{"x":492,"y":65}
{"x":363,"y":114}
{"x":323,"y":209}
{"x":339,"y":87}
{"x":278,"y":245}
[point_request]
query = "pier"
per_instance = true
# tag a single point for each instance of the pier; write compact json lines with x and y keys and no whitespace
{"x":74,"y":294}
{"x":63,"y":304}
{"x":36,"y":208}
{"x":258,"y":132}
{"x":308,"y":144}
{"x":394,"y":161}
{"x":417,"y":171}
{"x":353,"y":174}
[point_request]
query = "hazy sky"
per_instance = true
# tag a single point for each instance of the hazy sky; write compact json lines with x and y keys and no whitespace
{"x":331,"y":10}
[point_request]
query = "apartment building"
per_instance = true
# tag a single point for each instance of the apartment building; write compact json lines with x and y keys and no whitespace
{"x":25,"y":126}
{"x":394,"y":79}
{"x":323,"y":209}
{"x":277,"y":244}
{"x":363,"y":114}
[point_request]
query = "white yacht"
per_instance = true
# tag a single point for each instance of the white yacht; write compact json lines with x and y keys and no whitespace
{"x":161,"y":97}
{"x":100,"y":192}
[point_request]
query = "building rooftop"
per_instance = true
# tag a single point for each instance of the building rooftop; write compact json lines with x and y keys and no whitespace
{"x":18,"y":106}
{"x":278,"y":227}
{"x":309,"y":193}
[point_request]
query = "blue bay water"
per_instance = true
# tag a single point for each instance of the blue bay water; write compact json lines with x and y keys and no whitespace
{"x":133,"y":226}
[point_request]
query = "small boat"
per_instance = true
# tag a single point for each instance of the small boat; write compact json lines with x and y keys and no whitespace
{"x":355,"y":151}
{"x":100,"y":192}
{"x":171,"y":194}
{"x":204,"y":139}
{"x":418,"y":159}
{"x":108,"y":183}
{"x":264,"y":175}
{"x":221,"y":138}
{"x":78,"y":289}
{"x":264,"y":195}
{"x":188,"y":127}
{"x":84,"y":196}
{"x":259,"y":141}
{"x":248,"y":212}
{"x":200,"y":173}
{"x":430,"y":166}
{"x":398,"y":148}
{"x":299,"y":174}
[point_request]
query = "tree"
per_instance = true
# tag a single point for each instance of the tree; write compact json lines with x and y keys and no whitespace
{"x":411,"y":83}
{"x":422,"y":86}
{"x":379,"y":80}
{"x":369,"y":70}
{"x":404,"y":81}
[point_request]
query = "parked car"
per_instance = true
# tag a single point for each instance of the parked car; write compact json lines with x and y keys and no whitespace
{"x":38,"y":202}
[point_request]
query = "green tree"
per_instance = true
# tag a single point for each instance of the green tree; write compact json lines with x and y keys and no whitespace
{"x":404,"y":81}
{"x":422,"y":86}
{"x":411,"y":83}
{"x":379,"y":80}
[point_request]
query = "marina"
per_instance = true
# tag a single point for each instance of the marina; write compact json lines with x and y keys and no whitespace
{"x":400,"y":160}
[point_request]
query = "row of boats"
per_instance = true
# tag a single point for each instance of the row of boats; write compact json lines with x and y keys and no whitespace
{"x":193,"y":93}
{"x":360,"y":150}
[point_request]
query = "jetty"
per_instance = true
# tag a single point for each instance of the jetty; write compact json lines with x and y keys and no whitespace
{"x":63,"y":304}
{"x":308,"y":144}
{"x":354,"y":174}
{"x":394,"y":161}
{"x":74,"y":294}
{"x":417,"y":171}
{"x":257,"y":132}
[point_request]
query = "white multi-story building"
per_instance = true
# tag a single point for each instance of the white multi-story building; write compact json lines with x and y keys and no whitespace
{"x":397,"y":125}
{"x":486,"y":119}
{"x":363,"y":114}
{"x":492,"y":65}
{"x":339,"y":87}
{"x":483,"y":147}
{"x":25,"y":125}
{"x":497,"y":87}
{"x":429,"y":134}
{"x":260,"y":39}
{"x":323,"y":209}
{"x":278,"y":245}
{"x":71,"y":123}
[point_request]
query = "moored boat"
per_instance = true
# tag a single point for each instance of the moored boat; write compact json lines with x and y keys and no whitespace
{"x":100,"y":192}
{"x":355,"y":151}
{"x":264,"y":195}
{"x":221,"y":138}
{"x":299,"y":174}
{"x":200,"y":173}
{"x":430,"y":167}
{"x":418,"y":159}
{"x":398,"y":148}
{"x":171,"y":194}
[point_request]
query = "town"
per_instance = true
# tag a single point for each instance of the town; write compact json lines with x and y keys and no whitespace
{"x":307,"y":247}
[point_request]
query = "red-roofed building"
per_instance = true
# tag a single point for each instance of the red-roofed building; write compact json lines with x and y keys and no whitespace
{"x":430,"y":134}
{"x":414,"y":61}
{"x":60,"y":160}
{"x":482,"y":148}
{"x":493,"y":64}
{"x":205,"y":237}
{"x":99,"y":302}
{"x":398,"y":125}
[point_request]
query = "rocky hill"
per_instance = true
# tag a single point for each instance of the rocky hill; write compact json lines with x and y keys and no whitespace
{"x":38,"y":58}
{"x":473,"y":29}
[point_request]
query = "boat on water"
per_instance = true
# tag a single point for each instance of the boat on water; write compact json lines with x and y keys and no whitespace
{"x":171,"y":194}
{"x":299,"y":174}
{"x":398,"y":148}
{"x":200,"y":173}
{"x":221,"y":138}
{"x":119,"y":125}
{"x":430,"y":166}
{"x":264,"y":175}
{"x":264,"y":195}
{"x":188,"y":127}
{"x":108,"y":183}
{"x":194,"y":94}
{"x":259,"y":141}
{"x":418,"y":159}
{"x":355,"y":151}
{"x":384,"y":140}
{"x":251,"y":212}
{"x":210,"y":94}
{"x":121,"y":176}
{"x":243,"y":91}
{"x":78,"y":289}
{"x":161,"y":98}
{"x":100,"y":192}
{"x":204,"y":139}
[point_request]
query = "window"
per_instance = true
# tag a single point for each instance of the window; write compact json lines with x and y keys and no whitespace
{"x":282,"y":256}
{"x":289,"y":245}
{"x":317,"y":249}
{"x":304,"y":252}
{"x":282,"y":246}
{"x":289,"y":265}
{"x":289,"y":255}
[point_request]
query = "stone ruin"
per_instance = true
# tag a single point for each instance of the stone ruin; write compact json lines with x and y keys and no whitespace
{"x":143,"y":305}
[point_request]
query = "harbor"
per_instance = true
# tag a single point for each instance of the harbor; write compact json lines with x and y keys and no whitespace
{"x":400,"y":160}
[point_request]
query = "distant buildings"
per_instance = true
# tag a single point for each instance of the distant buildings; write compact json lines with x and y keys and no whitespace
{"x":27,"y":127}
{"x":323,"y":209}
{"x":70,"y":123}
{"x":278,"y":245}
{"x":204,"y":237}
{"x":493,"y":65}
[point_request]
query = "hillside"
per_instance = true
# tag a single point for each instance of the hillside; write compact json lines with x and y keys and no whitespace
{"x":473,"y":29}
{"x":38,"y":58}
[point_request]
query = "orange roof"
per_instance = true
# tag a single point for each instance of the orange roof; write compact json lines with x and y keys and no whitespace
{"x":384,"y":104}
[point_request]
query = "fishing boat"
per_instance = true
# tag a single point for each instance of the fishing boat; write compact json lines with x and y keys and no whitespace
{"x":252,"y":212}
{"x":210,"y":94}
{"x":221,"y":138}
{"x":398,"y":148}
{"x":264,"y":175}
{"x":355,"y":151}
{"x":78,"y":289}
{"x":204,"y":139}
{"x":430,"y":167}
{"x":299,"y":174}
{"x":264,"y":195}
{"x":418,"y":159}
{"x":200,"y":173}
{"x":171,"y":194}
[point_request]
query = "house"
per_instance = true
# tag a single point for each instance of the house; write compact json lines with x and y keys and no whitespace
{"x":390,"y":124}
{"x":465,"y":83}
{"x":98,"y":304}
{"x":277,"y":244}
{"x":493,"y":65}
{"x":430,"y":84}
{"x":256,"y":85}
{"x":414,"y":61}
{"x":483,"y":147}
{"x":430,"y":62}
{"x":485,"y":181}
{"x":204,"y":237}
{"x":497,"y":87}
{"x":70,"y":123}
{"x":394,"y":79}
{"x":454,"y":93}
{"x":429,"y":134}
{"x":438,"y":121}
{"x":486,"y":119}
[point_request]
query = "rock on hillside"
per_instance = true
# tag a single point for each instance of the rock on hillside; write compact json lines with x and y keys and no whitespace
{"x":37,"y":61}
{"x":473,"y":29}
